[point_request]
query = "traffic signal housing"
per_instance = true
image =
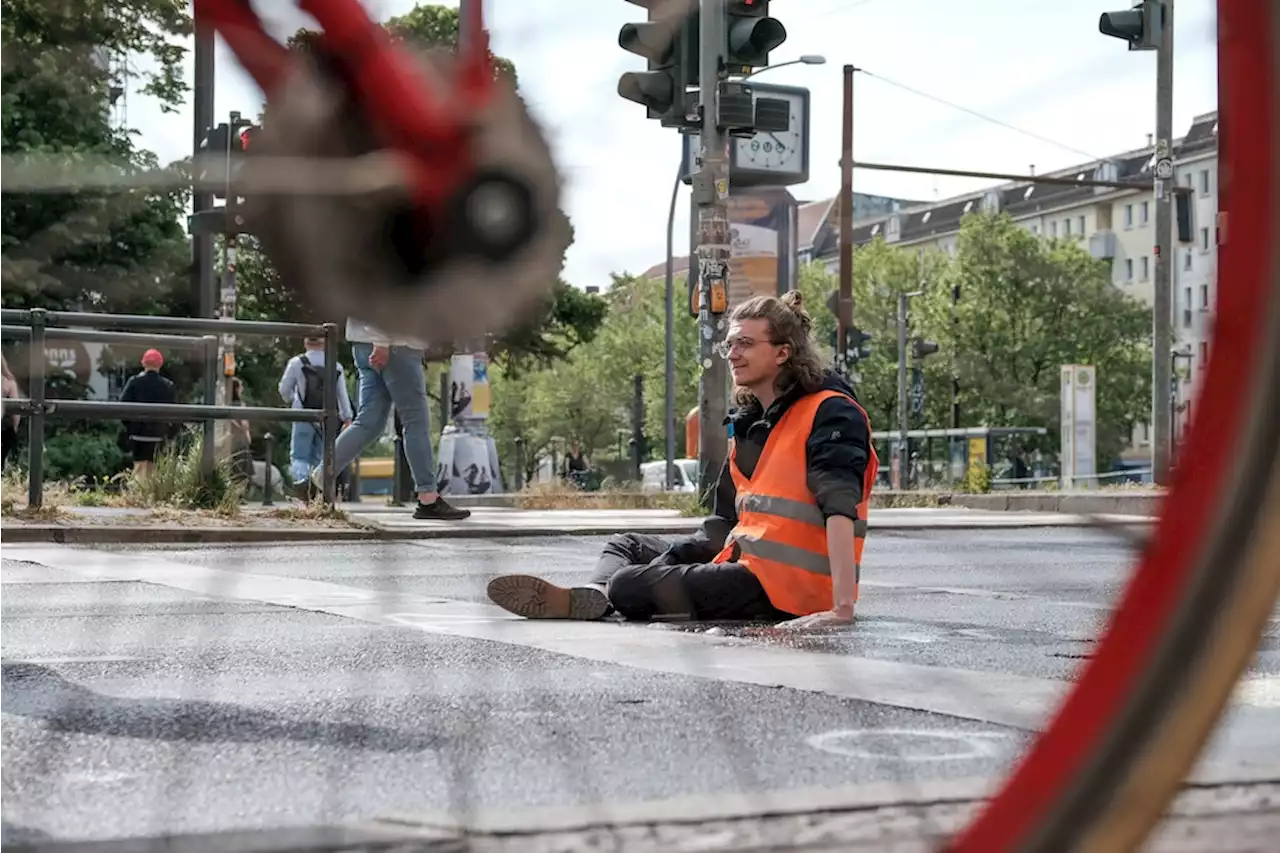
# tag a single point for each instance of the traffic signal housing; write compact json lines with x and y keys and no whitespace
{"x":921,"y":347}
{"x":1139,"y":26}
{"x":668,"y":40}
{"x":751,"y":34}
{"x":857,"y":343}
{"x":222,"y":152}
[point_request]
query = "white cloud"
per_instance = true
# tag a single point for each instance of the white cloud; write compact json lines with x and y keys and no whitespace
{"x":1040,"y":65}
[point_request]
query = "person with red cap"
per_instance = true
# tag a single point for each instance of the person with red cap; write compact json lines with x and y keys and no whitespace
{"x":146,"y":438}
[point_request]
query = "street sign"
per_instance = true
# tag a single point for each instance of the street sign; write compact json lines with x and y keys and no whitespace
{"x":1079,"y":426}
{"x":1164,"y":168}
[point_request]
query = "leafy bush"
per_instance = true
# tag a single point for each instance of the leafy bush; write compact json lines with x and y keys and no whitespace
{"x":89,"y":453}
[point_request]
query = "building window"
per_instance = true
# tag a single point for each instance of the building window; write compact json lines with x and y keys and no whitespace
{"x":1066,"y":226}
{"x":1035,"y":229}
{"x":1186,"y":261}
{"x":1128,"y":269}
{"x":1146,"y":268}
{"x":1146,"y":211}
{"x":1204,"y":182}
{"x":1204,"y":354}
{"x":1080,"y":222}
{"x":1053,"y":228}
{"x":1146,"y":432}
{"x":1128,"y":216}
{"x":1204,"y":239}
{"x":1204,"y":296}
{"x":1186,"y":298}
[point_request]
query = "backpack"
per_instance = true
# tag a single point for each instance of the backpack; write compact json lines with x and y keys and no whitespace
{"x":312,"y":385}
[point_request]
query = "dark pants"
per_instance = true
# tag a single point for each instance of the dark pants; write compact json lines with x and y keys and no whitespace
{"x":639,"y":588}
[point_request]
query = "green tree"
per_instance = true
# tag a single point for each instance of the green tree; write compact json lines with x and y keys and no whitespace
{"x":118,"y":251}
{"x":1028,"y":306}
{"x":589,"y":397}
{"x":880,"y":273}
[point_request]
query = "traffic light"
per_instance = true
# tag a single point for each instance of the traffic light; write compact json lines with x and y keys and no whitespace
{"x":669,"y":41}
{"x":1139,"y":26}
{"x":858,"y":349}
{"x":921,"y":347}
{"x":222,"y":152}
{"x":751,"y":34}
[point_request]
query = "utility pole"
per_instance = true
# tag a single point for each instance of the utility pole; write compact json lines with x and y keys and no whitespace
{"x":711,"y":193}
{"x":669,"y":410}
{"x":1149,"y":26}
{"x":903,"y":455}
{"x":1162,"y":333}
{"x":955,"y":368}
{"x":204,"y":289}
{"x":844,"y":307}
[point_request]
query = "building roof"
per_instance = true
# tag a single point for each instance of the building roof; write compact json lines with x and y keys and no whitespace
{"x":1021,"y":199}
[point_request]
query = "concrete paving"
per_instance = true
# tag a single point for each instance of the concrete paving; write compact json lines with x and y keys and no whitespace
{"x":189,"y":689}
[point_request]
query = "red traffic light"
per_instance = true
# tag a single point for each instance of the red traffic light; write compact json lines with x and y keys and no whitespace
{"x":246,"y":137}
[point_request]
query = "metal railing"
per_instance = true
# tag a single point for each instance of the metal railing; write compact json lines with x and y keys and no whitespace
{"x":39,"y":327}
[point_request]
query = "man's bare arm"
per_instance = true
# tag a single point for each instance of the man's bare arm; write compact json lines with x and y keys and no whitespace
{"x":844,"y":572}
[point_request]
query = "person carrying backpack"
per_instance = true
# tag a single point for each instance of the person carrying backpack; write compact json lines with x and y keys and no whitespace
{"x":302,"y":386}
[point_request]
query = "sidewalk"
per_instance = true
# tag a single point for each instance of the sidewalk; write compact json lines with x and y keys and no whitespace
{"x":373,"y":520}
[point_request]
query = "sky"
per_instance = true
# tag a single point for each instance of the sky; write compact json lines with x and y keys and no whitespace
{"x":1040,"y":66}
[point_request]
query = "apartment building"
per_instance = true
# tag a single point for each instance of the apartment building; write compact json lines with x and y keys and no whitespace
{"x":1117,"y":225}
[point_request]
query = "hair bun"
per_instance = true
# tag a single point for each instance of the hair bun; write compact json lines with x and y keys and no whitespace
{"x":794,"y":300}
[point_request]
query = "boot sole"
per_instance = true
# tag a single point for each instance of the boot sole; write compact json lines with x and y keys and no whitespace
{"x":535,"y":598}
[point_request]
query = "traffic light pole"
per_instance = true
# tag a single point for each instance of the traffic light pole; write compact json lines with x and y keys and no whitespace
{"x":711,"y":193}
{"x":1162,"y":331}
{"x":903,"y":455}
{"x":204,"y":288}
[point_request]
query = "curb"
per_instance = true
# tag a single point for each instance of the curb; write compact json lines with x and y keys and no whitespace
{"x":175,"y":535}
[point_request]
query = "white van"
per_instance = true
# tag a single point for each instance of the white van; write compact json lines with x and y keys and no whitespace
{"x":653,"y":476}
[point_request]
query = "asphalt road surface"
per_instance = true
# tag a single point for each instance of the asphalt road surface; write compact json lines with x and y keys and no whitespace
{"x":182,"y":689}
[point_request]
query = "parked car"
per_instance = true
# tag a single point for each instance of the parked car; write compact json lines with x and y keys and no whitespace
{"x":653,"y":476}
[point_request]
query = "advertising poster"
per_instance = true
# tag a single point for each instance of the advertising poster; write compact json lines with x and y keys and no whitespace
{"x":461,"y":382}
{"x":761,"y":223}
{"x":468,"y":464}
{"x":480,"y":392}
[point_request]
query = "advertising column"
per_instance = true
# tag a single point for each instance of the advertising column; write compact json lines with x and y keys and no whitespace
{"x":1079,"y":428}
{"x":468,"y":463}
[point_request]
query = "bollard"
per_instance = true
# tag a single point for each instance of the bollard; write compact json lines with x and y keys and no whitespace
{"x":35,"y":423}
{"x":519,"y":478}
{"x":270,"y":444}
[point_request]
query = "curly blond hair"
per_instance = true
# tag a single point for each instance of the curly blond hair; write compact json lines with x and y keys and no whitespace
{"x":788,"y":324}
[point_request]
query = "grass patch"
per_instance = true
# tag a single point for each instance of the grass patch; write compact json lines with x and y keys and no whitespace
{"x":311,"y":511}
{"x":178,"y":481}
{"x":559,"y":496}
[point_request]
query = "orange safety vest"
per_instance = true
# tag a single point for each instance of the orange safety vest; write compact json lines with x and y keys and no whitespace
{"x":780,"y":532}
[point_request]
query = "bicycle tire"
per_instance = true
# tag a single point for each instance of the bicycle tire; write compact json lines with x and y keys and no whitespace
{"x":1100,"y":775}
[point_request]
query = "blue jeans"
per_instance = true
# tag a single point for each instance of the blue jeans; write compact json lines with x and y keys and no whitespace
{"x":306,"y":450}
{"x":402,"y":383}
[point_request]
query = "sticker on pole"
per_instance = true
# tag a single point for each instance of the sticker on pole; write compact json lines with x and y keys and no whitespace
{"x":1164,"y":168}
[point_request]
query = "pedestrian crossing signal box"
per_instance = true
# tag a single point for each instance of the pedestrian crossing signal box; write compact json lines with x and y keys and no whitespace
{"x":719,"y":298}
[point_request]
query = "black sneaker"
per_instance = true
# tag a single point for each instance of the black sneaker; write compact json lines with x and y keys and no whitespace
{"x":535,"y":598}
{"x":440,"y":511}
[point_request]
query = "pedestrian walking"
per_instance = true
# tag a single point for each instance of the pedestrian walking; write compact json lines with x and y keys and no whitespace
{"x":147,"y":438}
{"x":302,"y":387}
{"x":391,"y":373}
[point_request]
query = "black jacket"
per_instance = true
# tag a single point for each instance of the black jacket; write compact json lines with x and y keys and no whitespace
{"x":148,"y":387}
{"x":838,"y":450}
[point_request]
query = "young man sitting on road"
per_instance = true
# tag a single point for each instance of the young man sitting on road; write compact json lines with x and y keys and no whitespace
{"x":790,"y":510}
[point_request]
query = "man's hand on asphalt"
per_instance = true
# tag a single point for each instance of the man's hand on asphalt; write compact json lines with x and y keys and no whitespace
{"x":818,"y":621}
{"x":379,"y":357}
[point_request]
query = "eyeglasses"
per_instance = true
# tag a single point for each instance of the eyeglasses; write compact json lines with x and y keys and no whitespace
{"x":741,"y":344}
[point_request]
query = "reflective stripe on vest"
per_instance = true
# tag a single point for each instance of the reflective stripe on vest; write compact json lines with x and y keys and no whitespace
{"x":781,"y":533}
